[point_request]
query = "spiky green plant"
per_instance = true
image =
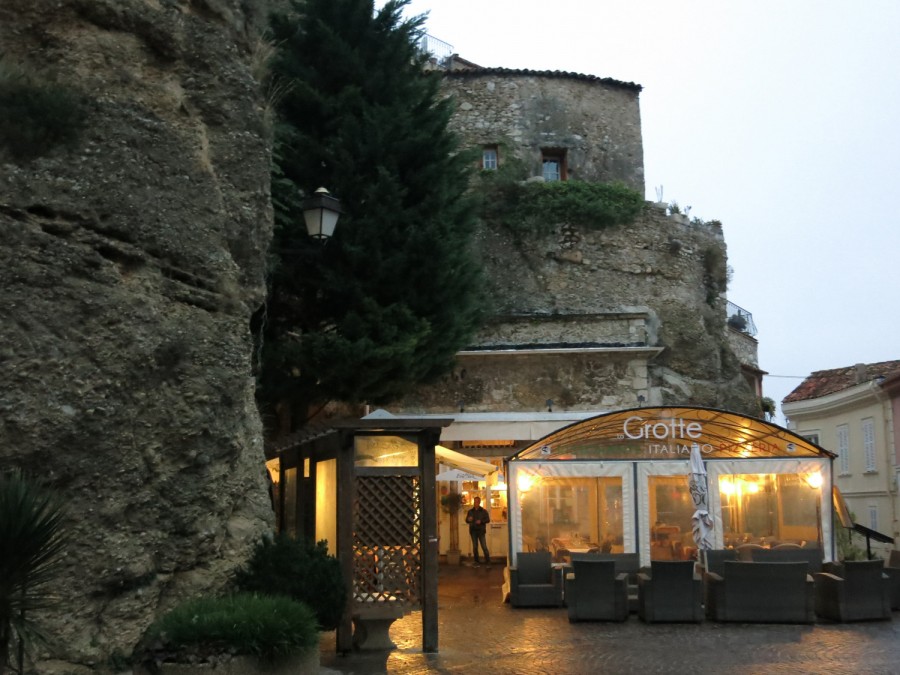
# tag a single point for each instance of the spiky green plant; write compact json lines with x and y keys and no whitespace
{"x":31,"y":541}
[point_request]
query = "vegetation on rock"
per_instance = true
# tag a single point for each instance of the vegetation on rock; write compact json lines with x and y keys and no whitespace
{"x":538,"y":207}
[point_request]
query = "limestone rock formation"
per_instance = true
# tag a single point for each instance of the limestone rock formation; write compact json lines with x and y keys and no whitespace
{"x":131,"y":260}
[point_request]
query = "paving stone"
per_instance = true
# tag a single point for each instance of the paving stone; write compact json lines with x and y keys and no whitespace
{"x":480,"y":634}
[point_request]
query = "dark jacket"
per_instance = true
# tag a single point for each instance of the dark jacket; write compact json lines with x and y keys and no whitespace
{"x":480,"y":514}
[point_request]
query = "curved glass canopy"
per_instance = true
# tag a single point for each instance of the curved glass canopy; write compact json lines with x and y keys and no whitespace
{"x":669,"y":432}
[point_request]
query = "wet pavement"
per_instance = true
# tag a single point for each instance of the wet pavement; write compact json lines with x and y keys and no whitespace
{"x":481,"y":634}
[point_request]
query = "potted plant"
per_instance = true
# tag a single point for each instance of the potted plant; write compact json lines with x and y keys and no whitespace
{"x":234,"y":635}
{"x":737,"y":322}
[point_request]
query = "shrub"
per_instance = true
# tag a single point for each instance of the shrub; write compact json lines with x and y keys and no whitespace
{"x":300,"y":570}
{"x":36,"y":114}
{"x":538,"y":206}
{"x":241,"y":624}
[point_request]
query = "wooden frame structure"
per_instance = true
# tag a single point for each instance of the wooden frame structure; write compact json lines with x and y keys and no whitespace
{"x":385,"y":519}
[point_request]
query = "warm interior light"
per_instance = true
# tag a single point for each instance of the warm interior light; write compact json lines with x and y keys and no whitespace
{"x":525,"y":482}
{"x":752,"y":488}
{"x":726,"y":486}
{"x":814,"y":480}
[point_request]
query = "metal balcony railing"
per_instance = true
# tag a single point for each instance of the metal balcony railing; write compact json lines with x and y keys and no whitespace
{"x":740,"y":319}
{"x":439,"y":50}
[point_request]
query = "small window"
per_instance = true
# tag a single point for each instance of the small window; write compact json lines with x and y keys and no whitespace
{"x":489,"y":160}
{"x":873,"y":517}
{"x":868,"y":433}
{"x":843,"y":449}
{"x":812,"y":437}
{"x":553,"y":165}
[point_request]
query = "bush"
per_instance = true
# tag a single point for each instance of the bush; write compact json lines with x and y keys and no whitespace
{"x":300,"y":570}
{"x":243,"y":624}
{"x":538,"y":207}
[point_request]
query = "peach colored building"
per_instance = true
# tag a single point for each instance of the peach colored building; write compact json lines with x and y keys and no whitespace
{"x":852,"y":411}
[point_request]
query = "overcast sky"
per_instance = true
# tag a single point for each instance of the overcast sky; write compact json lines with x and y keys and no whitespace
{"x":781,"y":118}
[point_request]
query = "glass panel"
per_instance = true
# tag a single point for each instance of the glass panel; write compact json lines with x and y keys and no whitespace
{"x":326,"y":503}
{"x":551,"y":170}
{"x":489,"y":159}
{"x":671,"y":510}
{"x":380,"y":451}
{"x":571,"y":515}
{"x":289,"y":516}
{"x":771,"y":509}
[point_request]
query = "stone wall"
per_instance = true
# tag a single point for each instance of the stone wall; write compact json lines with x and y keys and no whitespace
{"x":130,"y":264}
{"x":592,"y":296}
{"x":596,"y":121}
{"x":593,"y":319}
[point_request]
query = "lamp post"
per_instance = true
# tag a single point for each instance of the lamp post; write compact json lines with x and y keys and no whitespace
{"x":321,"y":212}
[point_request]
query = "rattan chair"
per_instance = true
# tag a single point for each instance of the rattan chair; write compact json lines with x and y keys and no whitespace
{"x":534,"y":582}
{"x":672,"y":591}
{"x":858,"y":590}
{"x":594,"y":592}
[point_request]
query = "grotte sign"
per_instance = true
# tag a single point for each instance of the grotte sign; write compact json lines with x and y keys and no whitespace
{"x":670,"y":433}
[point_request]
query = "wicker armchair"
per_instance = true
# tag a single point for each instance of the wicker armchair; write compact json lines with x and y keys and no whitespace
{"x":533,"y":582}
{"x":671,"y":592}
{"x":765,"y":592}
{"x":892,"y":570}
{"x":857,"y":590}
{"x":594,"y":592}
{"x":811,"y":556}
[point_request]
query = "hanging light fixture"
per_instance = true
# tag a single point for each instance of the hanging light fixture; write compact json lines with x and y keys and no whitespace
{"x":321,"y":212}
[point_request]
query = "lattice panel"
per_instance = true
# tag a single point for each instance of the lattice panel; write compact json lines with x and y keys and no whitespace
{"x":387,"y":554}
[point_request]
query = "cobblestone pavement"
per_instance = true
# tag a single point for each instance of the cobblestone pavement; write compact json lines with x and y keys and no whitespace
{"x":480,"y":634}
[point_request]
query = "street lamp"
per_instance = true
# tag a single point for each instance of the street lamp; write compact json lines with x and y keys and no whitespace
{"x":321,"y":212}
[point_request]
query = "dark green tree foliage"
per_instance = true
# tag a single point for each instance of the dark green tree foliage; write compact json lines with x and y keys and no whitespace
{"x":389,"y":300}
{"x":299,"y":570}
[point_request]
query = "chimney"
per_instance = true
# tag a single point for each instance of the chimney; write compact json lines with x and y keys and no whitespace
{"x":861,"y":373}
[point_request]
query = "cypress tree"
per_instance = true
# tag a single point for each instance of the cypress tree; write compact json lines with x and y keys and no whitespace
{"x":387,"y":302}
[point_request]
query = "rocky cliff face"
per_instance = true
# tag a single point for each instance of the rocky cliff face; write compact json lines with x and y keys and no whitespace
{"x":131,"y":261}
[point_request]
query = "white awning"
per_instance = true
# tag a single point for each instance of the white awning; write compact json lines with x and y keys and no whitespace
{"x":498,"y":426}
{"x":457,"y":460}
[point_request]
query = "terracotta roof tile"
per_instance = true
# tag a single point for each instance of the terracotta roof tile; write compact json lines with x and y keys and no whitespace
{"x":824,"y":382}
{"x":507,"y":72}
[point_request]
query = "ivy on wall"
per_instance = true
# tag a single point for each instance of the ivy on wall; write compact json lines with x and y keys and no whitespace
{"x":537,"y":207}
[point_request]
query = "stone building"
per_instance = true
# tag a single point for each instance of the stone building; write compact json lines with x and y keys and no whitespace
{"x":584,"y":320}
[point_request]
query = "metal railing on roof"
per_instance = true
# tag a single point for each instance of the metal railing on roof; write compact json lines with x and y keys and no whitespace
{"x":440,"y":51}
{"x":740,"y":319}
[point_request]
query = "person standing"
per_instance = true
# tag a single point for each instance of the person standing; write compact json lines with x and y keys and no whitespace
{"x":478,"y":518}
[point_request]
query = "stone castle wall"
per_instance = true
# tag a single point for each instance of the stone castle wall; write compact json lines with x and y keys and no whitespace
{"x":596,"y":121}
{"x":593,"y":319}
{"x":590,"y":319}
